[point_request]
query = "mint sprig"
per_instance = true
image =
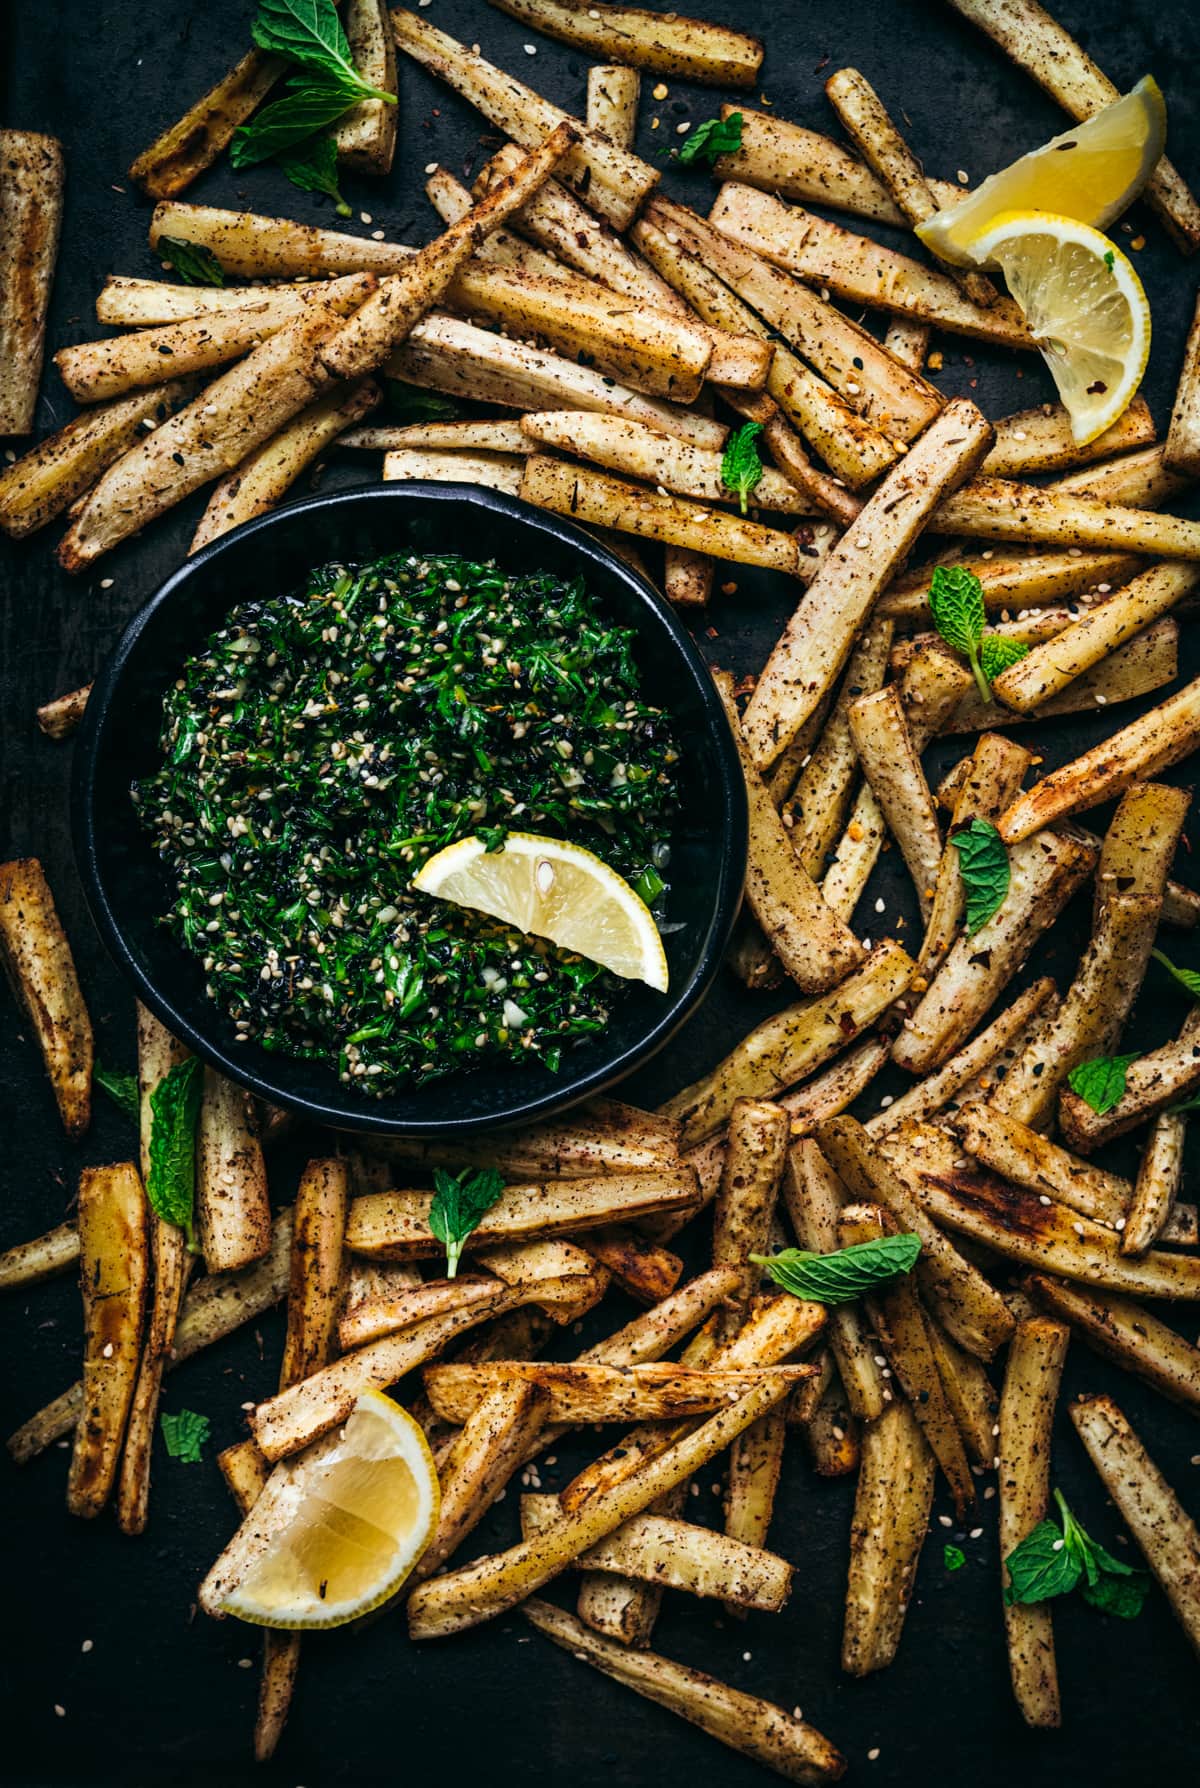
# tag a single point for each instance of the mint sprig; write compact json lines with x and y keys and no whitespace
{"x":185,"y":1435}
{"x":984,"y":869}
{"x":1186,"y":977}
{"x":741,"y":466}
{"x":122,"y":1089}
{"x":844,"y":1275}
{"x":312,"y":166}
{"x":1101,"y":1083}
{"x":957,"y":606}
{"x":326,"y":83}
{"x":1052,"y":1561}
{"x":460,"y":1203}
{"x":174,"y":1115}
{"x":195,"y":264}
{"x":716,"y":136}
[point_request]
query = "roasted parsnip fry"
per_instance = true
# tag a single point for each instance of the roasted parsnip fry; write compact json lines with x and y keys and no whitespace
{"x":48,"y":479}
{"x":1093,"y":1012}
{"x":1040,"y":440}
{"x":146,"y":304}
{"x":194,"y":141}
{"x":447,"y":354}
{"x":662,"y":460}
{"x":977,"y":1058}
{"x":819,"y":637}
{"x":1037,"y":43}
{"x":687,"y":577}
{"x":1126,"y":1333}
{"x":233,"y":1215}
{"x":441,"y":437}
{"x":395,"y":1226}
{"x":1050,"y":667}
{"x":47,"y":1255}
{"x":1013,"y":583}
{"x":754,"y":1158}
{"x":962,"y":1300}
{"x":1031,"y":1382}
{"x":251,"y":246}
{"x":319,"y":1222}
{"x":1018,"y":1153}
{"x":1143,"y":664}
{"x":858,"y":270}
{"x":608,"y":179}
{"x":890,"y":763}
{"x":882,"y":146}
{"x":613,"y":92}
{"x":245,"y":1472}
{"x":1045,"y":871}
{"x":1143,"y":748}
{"x":1139,"y":480}
{"x":1139,"y":845}
{"x":891,"y":1517}
{"x":603,"y":1136}
{"x":1167,"y":1536}
{"x":489,"y":1449}
{"x":907,"y":342}
{"x":1182,"y":448}
{"x":1014,"y":1223}
{"x":1159,"y":1177}
{"x":59,"y":718}
{"x":366,"y":136}
{"x":995,"y":772}
{"x":668,"y":43}
{"x":969,"y":1393}
{"x":599,"y":1393}
{"x":802,"y":164}
{"x":31,"y":203}
{"x":1155,"y":1081}
{"x":643,"y":1270}
{"x":788,"y":1047}
{"x":494,"y":471}
{"x":820,"y":802}
{"x":573,"y":1279}
{"x":114,"y":1271}
{"x":482,"y":1590}
{"x":264,"y":477}
{"x":1002,"y":509}
{"x":755,"y":1461}
{"x":745,"y":1723}
{"x":41,"y":971}
{"x":596,"y":499}
{"x":814,"y":1197}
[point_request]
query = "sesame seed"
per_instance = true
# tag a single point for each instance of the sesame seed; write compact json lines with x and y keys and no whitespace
{"x":60,"y":1710}
{"x":976,"y":1533}
{"x":531,"y":49}
{"x":681,"y":130}
{"x":86,"y":1646}
{"x":245,"y":1663}
{"x":661,"y":91}
{"x":873,"y":1754}
{"x":431,"y":167}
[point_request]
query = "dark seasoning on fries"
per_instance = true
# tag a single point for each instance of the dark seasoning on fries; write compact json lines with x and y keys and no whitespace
{"x":908,"y":1221}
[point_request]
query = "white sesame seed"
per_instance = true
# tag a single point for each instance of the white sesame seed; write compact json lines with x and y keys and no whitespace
{"x":976,"y":1533}
{"x":945,"y":1521}
{"x":86,"y":1646}
{"x":880,"y":906}
{"x":681,"y":130}
{"x":366,"y":217}
{"x":746,"y":1656}
{"x":245,"y":1663}
{"x":60,"y":1710}
{"x":376,"y":235}
{"x":531,"y":49}
{"x":873,"y":1754}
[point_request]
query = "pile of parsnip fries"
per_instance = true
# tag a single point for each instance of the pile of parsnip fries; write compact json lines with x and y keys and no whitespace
{"x":622,"y":335}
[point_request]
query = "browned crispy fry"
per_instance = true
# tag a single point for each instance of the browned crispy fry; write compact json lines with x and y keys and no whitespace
{"x":193,"y":142}
{"x":319,"y":1222}
{"x":891,"y":1517}
{"x":1182,"y":448}
{"x":643,"y":1270}
{"x":251,"y":246}
{"x":669,"y":43}
{"x":114,"y":1274}
{"x":1031,"y":1382}
{"x":1040,"y":440}
{"x":1162,"y":1078}
{"x":233,"y":1215}
{"x":31,"y":203}
{"x":754,"y":1158}
{"x":59,"y":718}
{"x":662,"y":460}
{"x":41,"y":971}
{"x":599,"y":1393}
{"x":993,"y":779}
{"x":366,"y":136}
{"x":892,"y":767}
{"x":1141,"y":840}
{"x":1126,"y":1333}
{"x":969,"y":1393}
{"x":1017,"y":1153}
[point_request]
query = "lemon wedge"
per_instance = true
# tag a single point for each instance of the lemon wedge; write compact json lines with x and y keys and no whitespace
{"x":337,"y":1528}
{"x":550,"y":889}
{"x":1091,"y":172}
{"x":1085,"y":307}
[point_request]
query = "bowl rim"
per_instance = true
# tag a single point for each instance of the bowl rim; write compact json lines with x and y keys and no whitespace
{"x":729,"y":807}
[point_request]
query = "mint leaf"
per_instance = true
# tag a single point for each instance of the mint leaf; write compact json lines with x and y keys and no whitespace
{"x":310,"y":33}
{"x":460,"y":1202}
{"x":716,"y":136}
{"x":1122,"y":1596}
{"x":983,"y":866}
{"x":741,"y":467}
{"x":953,"y":1557}
{"x":312,"y":166}
{"x":956,"y":604}
{"x":997,"y":652}
{"x":174,"y":1113}
{"x":1189,"y":978}
{"x":1052,"y":1561}
{"x":195,"y":264}
{"x":1101,"y":1083}
{"x":307,"y":106}
{"x":1042,"y":1566}
{"x":839,"y":1277}
{"x":122,"y":1089}
{"x":412,"y":404}
{"x":185,"y":1435}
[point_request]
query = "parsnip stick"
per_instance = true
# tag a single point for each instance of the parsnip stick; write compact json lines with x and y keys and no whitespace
{"x":446,"y":354}
{"x":48,"y":479}
{"x":319,"y":1222}
{"x":264,"y":477}
{"x":41,"y":972}
{"x":754,"y":1158}
{"x":31,"y":204}
{"x":233,"y":1215}
{"x":1139,"y":480}
{"x":1014,"y":583}
{"x":820,"y":802}
{"x":907,"y":342}
{"x":858,"y":270}
{"x":687,"y":577}
{"x":1149,"y":744}
{"x":814,"y":1197}
{"x":366,"y":135}
{"x":662,"y":460}
{"x":125,"y":303}
{"x":251,"y":246}
{"x":600,"y":1393}
{"x":1100,"y":630}
{"x":1164,"y":1077}
{"x":59,"y":718}
{"x":603,"y":1136}
{"x":114,"y":1274}
{"x":1001,"y":509}
{"x":792,"y":1044}
{"x":979,"y":1058}
{"x":1182,"y":452}
{"x":1040,"y":440}
{"x":1044,"y":871}
{"x":644,"y":1271}
{"x":183,"y":151}
{"x":1019,"y":1154}
{"x":819,"y":637}
{"x":608,"y":179}
{"x":802,"y":164}
{"x":1140,"y":843}
{"x":670,"y":43}
{"x":892,"y":767}
{"x":1159,"y":1177}
{"x":442,"y":437}
{"x":891,"y":1518}
{"x":28,"y":1263}
{"x":883,"y":148}
{"x":969,"y":1392}
{"x":613,"y":93}
{"x":1125,"y":1333}
{"x":1037,"y":43}
{"x":1168,"y":1537}
{"x":1031,"y":1382}
{"x":494,"y":471}
{"x":996,"y":770}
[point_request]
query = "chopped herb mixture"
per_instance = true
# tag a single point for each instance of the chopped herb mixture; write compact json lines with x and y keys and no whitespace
{"x":327,"y":742}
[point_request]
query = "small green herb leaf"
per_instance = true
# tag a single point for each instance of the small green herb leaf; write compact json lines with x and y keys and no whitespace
{"x":460,"y":1202}
{"x":1109,"y":258}
{"x":122,"y":1089}
{"x":844,"y":1275}
{"x":716,"y":136}
{"x":649,"y":885}
{"x":185,"y":1435}
{"x":174,"y":1113}
{"x":309,"y":32}
{"x":997,"y":652}
{"x":1042,"y":1566}
{"x":309,"y":103}
{"x":1101,"y":1083}
{"x":1189,"y":978}
{"x":741,"y":467}
{"x":956,"y":604}
{"x":1052,"y":1561}
{"x":983,"y":866}
{"x":1124,"y":1596}
{"x":411,"y":404}
{"x":312,"y":166}
{"x":953,"y":1557}
{"x":195,"y":264}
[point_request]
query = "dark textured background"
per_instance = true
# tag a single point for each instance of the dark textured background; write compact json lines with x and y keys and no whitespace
{"x":161,"y":1698}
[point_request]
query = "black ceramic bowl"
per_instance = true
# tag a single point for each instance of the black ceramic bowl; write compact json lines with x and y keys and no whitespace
{"x":127,"y":888}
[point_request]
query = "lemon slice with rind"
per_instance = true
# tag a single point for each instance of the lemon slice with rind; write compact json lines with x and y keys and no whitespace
{"x":1085,"y":307}
{"x":1090,"y":172}
{"x":336,"y":1530}
{"x":548,"y":888}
